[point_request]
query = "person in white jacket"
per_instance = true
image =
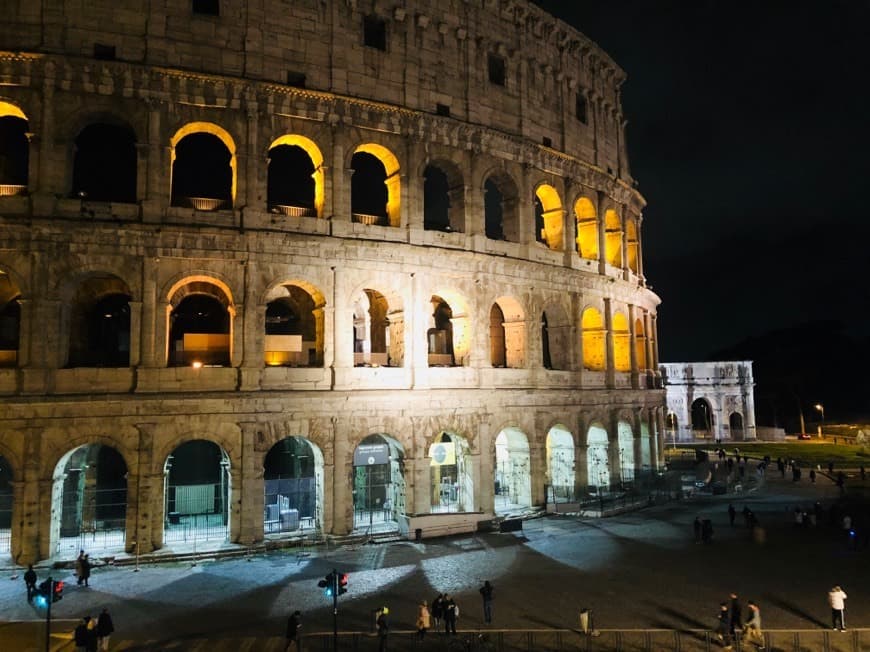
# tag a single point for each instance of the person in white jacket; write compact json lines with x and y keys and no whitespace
{"x":837,"y":599}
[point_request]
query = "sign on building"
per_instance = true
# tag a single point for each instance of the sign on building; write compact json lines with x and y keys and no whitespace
{"x":369,"y":454}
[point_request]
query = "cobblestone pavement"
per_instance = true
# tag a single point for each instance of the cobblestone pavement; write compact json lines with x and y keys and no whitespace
{"x":638,"y":570}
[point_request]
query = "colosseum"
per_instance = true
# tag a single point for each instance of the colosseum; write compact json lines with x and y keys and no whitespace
{"x":273,"y":269}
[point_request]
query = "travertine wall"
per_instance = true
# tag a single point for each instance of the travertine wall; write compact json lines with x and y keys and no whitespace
{"x":176,"y":71}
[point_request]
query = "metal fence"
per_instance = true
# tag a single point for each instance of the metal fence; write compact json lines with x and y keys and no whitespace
{"x":608,"y":640}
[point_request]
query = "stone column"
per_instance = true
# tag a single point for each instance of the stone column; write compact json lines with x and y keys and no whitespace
{"x":614,"y":462}
{"x":43,"y":200}
{"x":485,"y":481}
{"x":25,"y":331}
{"x":341,"y":182}
{"x":659,"y":420}
{"x":252,"y":186}
{"x":526,"y":208}
{"x":342,"y":481}
{"x":632,"y":347}
{"x":638,"y":439}
{"x":603,"y":203}
{"x":135,"y":332}
{"x":254,"y":329}
{"x":581,"y":469}
{"x":538,"y":473}
{"x":413,"y":192}
{"x":158,"y":168}
{"x":237,"y":331}
{"x":252,"y":484}
{"x":150,"y":317}
{"x":28,"y":519}
{"x":610,"y":374}
{"x":144,"y":494}
{"x":342,"y":328}
{"x":416,"y":324}
{"x":569,"y":227}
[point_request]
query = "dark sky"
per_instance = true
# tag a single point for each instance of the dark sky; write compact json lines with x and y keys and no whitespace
{"x":748,"y":137}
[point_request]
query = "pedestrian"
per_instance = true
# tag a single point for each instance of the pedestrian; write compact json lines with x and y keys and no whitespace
{"x":30,"y":582}
{"x":92,"y":635}
{"x":80,"y":560}
{"x":422,"y":620}
{"x":294,"y":624}
{"x":105,"y":628}
{"x":486,"y":594}
{"x":723,"y":629}
{"x":697,"y":527}
{"x":837,"y":598}
{"x":831,"y":468}
{"x":438,"y":611}
{"x":736,"y":615}
{"x":451,"y":613}
{"x":80,"y":635}
{"x":86,"y":569}
{"x":383,"y":629}
{"x":732,"y":514}
{"x":813,"y":476}
{"x":752,"y":633}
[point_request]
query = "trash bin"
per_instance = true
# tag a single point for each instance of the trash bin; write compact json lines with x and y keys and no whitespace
{"x":418,"y":534}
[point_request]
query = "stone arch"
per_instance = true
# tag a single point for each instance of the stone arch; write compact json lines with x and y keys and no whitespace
{"x":625,"y":440}
{"x":368,"y":178}
{"x":443,"y":195}
{"x":96,"y":320}
{"x":621,"y":342}
{"x":451,"y":474}
{"x":561,"y":478}
{"x":702,"y":418}
{"x":7,"y":497}
{"x":199,"y":322}
{"x":612,"y":238}
{"x":555,"y":336}
{"x":598,"y":458}
{"x":104,"y":161}
{"x":549,"y":217}
{"x":294,"y":324}
{"x":587,"y":228}
{"x":449,"y":330}
{"x":292,"y":173}
{"x":632,"y":245}
{"x":14,"y":150}
{"x":378,"y":482}
{"x":513,"y":478}
{"x":507,"y":333}
{"x":219,"y":182}
{"x":736,"y":426}
{"x":10,"y":318}
{"x":594,"y":350}
{"x":293,"y":495}
{"x":88,"y":498}
{"x":501,"y":206}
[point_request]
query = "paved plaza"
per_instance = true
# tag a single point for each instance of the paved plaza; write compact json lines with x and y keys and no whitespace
{"x":637,"y":570}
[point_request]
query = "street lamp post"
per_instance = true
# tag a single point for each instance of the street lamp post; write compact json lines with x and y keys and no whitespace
{"x":821,"y":409}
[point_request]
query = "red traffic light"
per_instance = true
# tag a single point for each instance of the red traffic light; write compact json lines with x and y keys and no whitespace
{"x":342,"y":583}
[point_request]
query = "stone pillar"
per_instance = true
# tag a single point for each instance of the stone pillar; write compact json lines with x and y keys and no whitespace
{"x":484,"y":483}
{"x":342,"y":328}
{"x":341,"y":182}
{"x":421,"y":478}
{"x":413,"y":192}
{"x":569,"y":227}
{"x":237,"y":332}
{"x":25,"y":332}
{"x":158,"y":168}
{"x":252,"y":185}
{"x":526,"y":208}
{"x":28,"y":519}
{"x":144,"y":495}
{"x":659,"y":420}
{"x":251,"y":484}
{"x":581,"y":469}
{"x":416,"y":325}
{"x":135,"y":332}
{"x":149,"y":320}
{"x":632,"y":347}
{"x":341,"y":475}
{"x":610,"y":374}
{"x":654,"y":449}
{"x":43,"y":200}
{"x":254,"y":329}
{"x":603,"y":203}
{"x":538,"y":473}
{"x":638,"y":439}
{"x":639,"y":223}
{"x":614,"y":462}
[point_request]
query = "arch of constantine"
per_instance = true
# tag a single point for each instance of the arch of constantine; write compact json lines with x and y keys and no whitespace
{"x":272,"y":267}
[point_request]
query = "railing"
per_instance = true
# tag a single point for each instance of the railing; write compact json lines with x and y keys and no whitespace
{"x":605,"y":640}
{"x":363,"y":218}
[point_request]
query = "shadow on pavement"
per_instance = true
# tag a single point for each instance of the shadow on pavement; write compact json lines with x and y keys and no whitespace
{"x":792,"y":609}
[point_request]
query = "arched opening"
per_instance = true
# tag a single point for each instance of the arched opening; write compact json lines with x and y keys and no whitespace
{"x":632,"y":245}
{"x":625,"y":437}
{"x":100,"y":323}
{"x":621,"y":343}
{"x":560,"y":465}
{"x":702,"y":419}
{"x":549,"y":216}
{"x":507,"y":329}
{"x":612,"y":238}
{"x":513,"y":481}
{"x":546,"y":358}
{"x":497,"y":352}
{"x":640,"y":345}
{"x":378,"y":483}
{"x":645,"y":447}
{"x":556,"y":332}
{"x":203,"y":168}
{"x":735,"y":424}
{"x":199,"y":326}
{"x":14,"y":150}
{"x":196,"y":494}
{"x":501,"y":220}
{"x":89,"y":501}
{"x":10,"y":321}
{"x":294,"y":328}
{"x":372,"y":331}
{"x":597,"y":460}
{"x":594,"y":357}
{"x":292,"y":487}
{"x":104,"y":164}
{"x":451,"y":474}
{"x":587,"y":228}
{"x":440,"y":334}
{"x":375,"y":186}
{"x":291,"y":186}
{"x":6,"y":496}
{"x":436,"y":200}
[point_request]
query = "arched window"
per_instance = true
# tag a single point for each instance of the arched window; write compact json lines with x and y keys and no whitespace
{"x":10,"y":321}
{"x":632,"y":245}
{"x":436,"y":200}
{"x":513,"y":486}
{"x":500,"y":208}
{"x":497,"y":351}
{"x":294,"y":327}
{"x":104,"y":165}
{"x":621,"y":343}
{"x":640,"y":345}
{"x":291,"y":183}
{"x":100,"y":323}
{"x":587,"y":229}
{"x":702,"y":418}
{"x":371,"y":330}
{"x":613,"y":238}
{"x":548,"y":217}
{"x":440,"y":334}
{"x":197,"y":489}
{"x":293,"y":486}
{"x":203,"y":168}
{"x":597,"y":459}
{"x":199,"y":327}
{"x":375,"y":186}
{"x":594,"y":356}
{"x":14,"y":150}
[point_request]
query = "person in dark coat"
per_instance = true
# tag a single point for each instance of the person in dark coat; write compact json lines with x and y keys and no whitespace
{"x":86,"y":570}
{"x":80,"y":635}
{"x":80,"y":560}
{"x":92,"y":635}
{"x":437,"y":611}
{"x":383,"y":629}
{"x":736,"y":615}
{"x":451,"y":612}
{"x":294,"y":624}
{"x":30,"y":582}
{"x":486,"y":594}
{"x":723,"y":629}
{"x":105,"y":628}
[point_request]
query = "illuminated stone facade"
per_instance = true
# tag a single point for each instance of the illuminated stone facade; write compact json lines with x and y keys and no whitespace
{"x":323,"y":223}
{"x":709,"y":400}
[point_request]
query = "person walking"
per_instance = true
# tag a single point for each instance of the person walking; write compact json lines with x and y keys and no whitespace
{"x":723,"y":629}
{"x":813,"y":476}
{"x":837,"y":599}
{"x":80,"y":635}
{"x":294,"y":624}
{"x":438,"y":611}
{"x":752,"y":634}
{"x":383,"y":629}
{"x":422,"y":620}
{"x":92,"y":635}
{"x":451,"y":613}
{"x":736,"y":616}
{"x":79,"y":570}
{"x":105,"y":628}
{"x":486,"y":594}
{"x":30,"y":582}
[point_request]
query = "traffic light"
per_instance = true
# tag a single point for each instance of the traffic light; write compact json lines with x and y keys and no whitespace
{"x":342,"y":583}
{"x":48,"y":590}
{"x":328,"y":584}
{"x":58,"y":591}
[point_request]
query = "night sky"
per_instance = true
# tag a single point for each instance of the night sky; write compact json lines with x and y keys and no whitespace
{"x":748,"y":137}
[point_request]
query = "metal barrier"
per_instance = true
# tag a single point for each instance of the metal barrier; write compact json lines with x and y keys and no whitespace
{"x":605,"y":640}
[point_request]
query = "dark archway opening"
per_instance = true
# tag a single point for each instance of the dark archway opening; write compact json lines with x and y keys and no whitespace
{"x":436,"y":200}
{"x":199,"y":332}
{"x":493,"y":208}
{"x":702,"y":418}
{"x":202,"y":170}
{"x":290,"y":486}
{"x":197,"y":493}
{"x":291,"y":182}
{"x":547,"y":361}
{"x":441,"y":335}
{"x":101,"y":333}
{"x":540,"y":233}
{"x":368,"y":186}
{"x":14,"y":152}
{"x":104,"y":165}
